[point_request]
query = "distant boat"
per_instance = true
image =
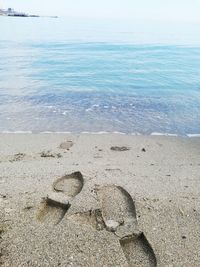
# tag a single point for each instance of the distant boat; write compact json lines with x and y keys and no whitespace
{"x":10,"y":12}
{"x":16,"y":14}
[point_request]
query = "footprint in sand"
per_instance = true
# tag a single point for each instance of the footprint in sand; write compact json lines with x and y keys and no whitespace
{"x":66,"y":145}
{"x":54,"y":207}
{"x":119,"y":215}
{"x":119,"y":148}
{"x":138,"y":251}
{"x":17,"y":157}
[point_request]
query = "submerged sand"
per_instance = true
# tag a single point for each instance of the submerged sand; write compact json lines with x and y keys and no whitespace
{"x":99,"y":200}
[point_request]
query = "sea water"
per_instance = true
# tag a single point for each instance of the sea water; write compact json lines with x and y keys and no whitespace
{"x":67,"y":75}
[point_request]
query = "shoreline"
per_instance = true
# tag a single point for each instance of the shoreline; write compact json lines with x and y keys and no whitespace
{"x":153,"y":179}
{"x":191,"y":135}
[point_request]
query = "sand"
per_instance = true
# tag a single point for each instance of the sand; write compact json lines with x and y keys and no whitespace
{"x":99,"y":200}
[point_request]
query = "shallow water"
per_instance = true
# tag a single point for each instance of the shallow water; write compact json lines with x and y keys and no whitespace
{"x":62,"y":76}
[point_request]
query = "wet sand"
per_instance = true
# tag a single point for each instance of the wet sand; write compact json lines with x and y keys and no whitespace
{"x":99,"y":200}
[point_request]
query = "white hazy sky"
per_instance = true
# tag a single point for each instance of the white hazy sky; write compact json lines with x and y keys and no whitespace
{"x":174,"y":10}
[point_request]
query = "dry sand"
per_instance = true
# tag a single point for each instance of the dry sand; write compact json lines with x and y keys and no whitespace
{"x":71,"y":200}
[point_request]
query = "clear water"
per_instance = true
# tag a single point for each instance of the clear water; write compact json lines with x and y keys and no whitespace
{"x":64,"y":75}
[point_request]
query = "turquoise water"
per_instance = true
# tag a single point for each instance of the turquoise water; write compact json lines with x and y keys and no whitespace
{"x":59,"y":75}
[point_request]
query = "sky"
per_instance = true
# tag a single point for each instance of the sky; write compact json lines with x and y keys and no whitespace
{"x":157,"y":10}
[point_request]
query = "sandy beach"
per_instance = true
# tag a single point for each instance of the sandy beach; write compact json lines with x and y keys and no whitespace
{"x":99,"y":200}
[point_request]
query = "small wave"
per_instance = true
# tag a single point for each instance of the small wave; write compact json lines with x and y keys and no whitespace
{"x":99,"y":133}
{"x":16,"y":132}
{"x":49,"y":132}
{"x":163,"y":134}
{"x":193,"y":135}
{"x":116,"y":132}
{"x":135,"y":134}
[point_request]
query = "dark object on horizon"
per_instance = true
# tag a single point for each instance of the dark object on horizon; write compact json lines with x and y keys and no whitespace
{"x":33,"y":16}
{"x":18,"y":15}
{"x":10,"y":12}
